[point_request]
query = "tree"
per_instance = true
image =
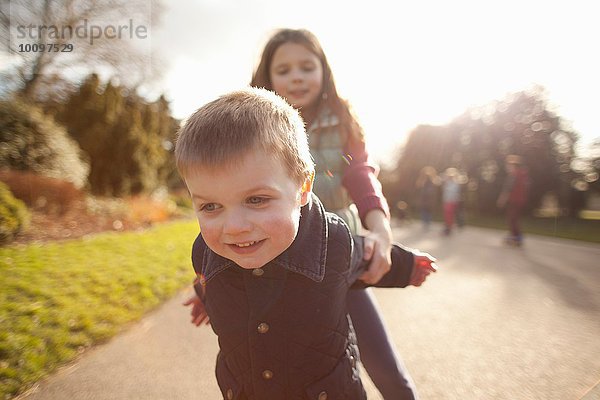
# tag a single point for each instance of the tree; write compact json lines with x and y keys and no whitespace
{"x":587,"y":175}
{"x":77,"y":36}
{"x":32,"y":141}
{"x":127,"y":139}
{"x":477,"y":142}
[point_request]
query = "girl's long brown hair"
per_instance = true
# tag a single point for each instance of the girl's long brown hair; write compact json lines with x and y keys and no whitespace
{"x":329,"y":96}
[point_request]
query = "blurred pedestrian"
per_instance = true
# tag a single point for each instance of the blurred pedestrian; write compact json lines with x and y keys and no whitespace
{"x":450,"y":198}
{"x":514,"y":197}
{"x":426,"y":184}
{"x":460,"y":211}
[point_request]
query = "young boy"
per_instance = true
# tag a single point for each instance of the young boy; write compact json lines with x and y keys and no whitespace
{"x":275,"y":267}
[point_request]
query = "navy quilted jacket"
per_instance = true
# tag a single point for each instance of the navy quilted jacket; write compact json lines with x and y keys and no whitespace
{"x":283,"y":329}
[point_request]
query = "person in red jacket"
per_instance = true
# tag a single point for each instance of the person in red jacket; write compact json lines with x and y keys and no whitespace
{"x":514,"y":197}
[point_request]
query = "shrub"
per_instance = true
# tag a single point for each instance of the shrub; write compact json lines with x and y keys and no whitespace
{"x":150,"y":209}
{"x":128,"y":140}
{"x":32,"y":141}
{"x":42,"y":193}
{"x":13,"y":215}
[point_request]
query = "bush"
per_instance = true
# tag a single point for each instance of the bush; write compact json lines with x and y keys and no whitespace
{"x":13,"y":215}
{"x":128,"y":140}
{"x":148,"y":210}
{"x":32,"y":141}
{"x":42,"y":193}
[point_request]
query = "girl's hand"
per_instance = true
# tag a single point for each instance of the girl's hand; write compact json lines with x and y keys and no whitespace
{"x":377,"y":247}
{"x":198,"y":313}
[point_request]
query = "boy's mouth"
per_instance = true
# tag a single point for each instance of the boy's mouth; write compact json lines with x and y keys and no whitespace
{"x":246,"y":247}
{"x":248,"y":244}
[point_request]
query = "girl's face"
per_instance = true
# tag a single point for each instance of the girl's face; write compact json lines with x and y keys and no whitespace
{"x":296,"y":74}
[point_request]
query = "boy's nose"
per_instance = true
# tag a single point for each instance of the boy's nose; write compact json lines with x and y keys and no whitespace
{"x":236,"y":223}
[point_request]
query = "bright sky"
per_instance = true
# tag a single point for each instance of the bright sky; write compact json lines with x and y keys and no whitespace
{"x":400,"y":63}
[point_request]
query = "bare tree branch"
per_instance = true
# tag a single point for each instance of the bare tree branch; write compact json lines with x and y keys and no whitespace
{"x":79,"y":37}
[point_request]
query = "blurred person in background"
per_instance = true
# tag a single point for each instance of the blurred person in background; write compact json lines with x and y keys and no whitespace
{"x":427,"y":184}
{"x":514,"y":197}
{"x":450,"y":198}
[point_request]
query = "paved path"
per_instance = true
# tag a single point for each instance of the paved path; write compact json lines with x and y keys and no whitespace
{"x":494,"y":323}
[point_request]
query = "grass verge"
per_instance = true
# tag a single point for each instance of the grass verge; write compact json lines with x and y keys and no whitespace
{"x":58,"y":299}
{"x":586,"y":230}
{"x":560,"y":227}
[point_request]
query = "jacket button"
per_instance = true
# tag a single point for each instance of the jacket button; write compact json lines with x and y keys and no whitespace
{"x":353,"y":361}
{"x":263,"y":327}
{"x":322,"y":396}
{"x":267,"y":374}
{"x":229,"y":394}
{"x":258,"y":272}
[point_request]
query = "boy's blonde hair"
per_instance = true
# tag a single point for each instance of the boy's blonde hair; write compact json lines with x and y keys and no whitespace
{"x":221,"y":131}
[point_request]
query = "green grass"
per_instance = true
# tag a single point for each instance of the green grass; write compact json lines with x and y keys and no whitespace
{"x":562,"y":227}
{"x":58,"y":299}
{"x":587,"y":230}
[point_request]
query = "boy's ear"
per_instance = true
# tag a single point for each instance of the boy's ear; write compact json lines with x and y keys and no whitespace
{"x":307,"y":188}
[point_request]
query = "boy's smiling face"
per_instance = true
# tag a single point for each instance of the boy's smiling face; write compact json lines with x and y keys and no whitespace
{"x":249,"y":212}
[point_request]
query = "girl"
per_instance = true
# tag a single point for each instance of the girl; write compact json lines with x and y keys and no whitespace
{"x":294,"y":65}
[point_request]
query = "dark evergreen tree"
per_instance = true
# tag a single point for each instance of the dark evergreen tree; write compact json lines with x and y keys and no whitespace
{"x":124,"y":136}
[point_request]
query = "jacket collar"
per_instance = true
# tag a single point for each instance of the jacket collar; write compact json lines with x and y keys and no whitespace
{"x":306,"y":255}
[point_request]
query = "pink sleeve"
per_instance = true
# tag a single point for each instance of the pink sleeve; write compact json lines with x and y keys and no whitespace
{"x":360,"y":180}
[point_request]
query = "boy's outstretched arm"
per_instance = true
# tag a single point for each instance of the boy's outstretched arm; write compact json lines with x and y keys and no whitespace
{"x":409,"y":267}
{"x":423,"y":265}
{"x":198,"y":312}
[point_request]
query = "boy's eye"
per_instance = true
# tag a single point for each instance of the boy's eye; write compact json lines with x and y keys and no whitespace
{"x":257,"y":200}
{"x":208,"y":207}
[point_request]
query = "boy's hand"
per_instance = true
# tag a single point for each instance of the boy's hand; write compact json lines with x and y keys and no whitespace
{"x":378,"y":249}
{"x":424,"y":264}
{"x":198,"y":313}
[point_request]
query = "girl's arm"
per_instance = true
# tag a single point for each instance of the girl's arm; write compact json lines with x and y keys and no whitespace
{"x":361,"y":182}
